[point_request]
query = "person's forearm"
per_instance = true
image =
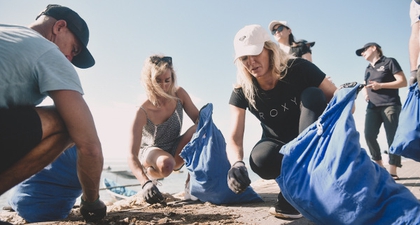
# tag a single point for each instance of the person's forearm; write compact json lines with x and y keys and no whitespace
{"x":137,"y":169}
{"x":393,"y":85}
{"x":89,"y":169}
{"x":414,"y":46}
{"x":81,"y":127}
{"x":234,"y":153}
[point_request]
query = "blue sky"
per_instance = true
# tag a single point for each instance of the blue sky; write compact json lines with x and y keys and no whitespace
{"x":199,"y":37}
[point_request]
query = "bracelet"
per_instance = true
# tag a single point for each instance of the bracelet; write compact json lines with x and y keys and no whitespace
{"x":149,"y":181}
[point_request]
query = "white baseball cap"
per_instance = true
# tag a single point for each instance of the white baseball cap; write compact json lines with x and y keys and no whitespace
{"x":250,"y":40}
{"x":275,"y":22}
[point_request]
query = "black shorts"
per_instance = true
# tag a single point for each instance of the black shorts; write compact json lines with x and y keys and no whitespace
{"x":20,"y":132}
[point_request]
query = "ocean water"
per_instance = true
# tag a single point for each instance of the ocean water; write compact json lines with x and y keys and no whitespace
{"x":113,"y":168}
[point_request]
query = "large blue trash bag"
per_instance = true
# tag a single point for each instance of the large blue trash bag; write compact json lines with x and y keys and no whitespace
{"x":51,"y":193}
{"x":330,"y":179}
{"x":206,"y":160}
{"x":407,"y":137}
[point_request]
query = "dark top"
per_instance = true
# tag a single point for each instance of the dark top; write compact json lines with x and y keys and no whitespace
{"x":279,"y":108}
{"x":300,"y":49}
{"x":383,"y":71}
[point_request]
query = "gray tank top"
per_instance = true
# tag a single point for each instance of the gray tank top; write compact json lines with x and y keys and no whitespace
{"x":165,"y":135}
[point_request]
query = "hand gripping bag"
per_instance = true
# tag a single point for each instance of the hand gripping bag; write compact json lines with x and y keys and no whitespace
{"x":206,"y":159}
{"x":407,"y":137}
{"x":330,"y":179}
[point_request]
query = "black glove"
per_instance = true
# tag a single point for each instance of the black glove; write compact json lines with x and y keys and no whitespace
{"x":151,"y":193}
{"x":92,"y":211}
{"x":351,"y":85}
{"x":413,"y":77}
{"x":238,"y":179}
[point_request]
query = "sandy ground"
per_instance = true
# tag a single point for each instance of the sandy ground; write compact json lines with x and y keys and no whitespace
{"x":178,"y":211}
{"x":134,"y":211}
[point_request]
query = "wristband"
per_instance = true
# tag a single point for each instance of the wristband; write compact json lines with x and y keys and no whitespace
{"x":149,"y":181}
{"x":88,"y":203}
{"x":238,"y":162}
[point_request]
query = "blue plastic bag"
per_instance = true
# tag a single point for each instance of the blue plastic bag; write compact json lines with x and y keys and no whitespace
{"x":330,"y":179}
{"x":407,"y":137}
{"x":51,"y":193}
{"x":206,"y":160}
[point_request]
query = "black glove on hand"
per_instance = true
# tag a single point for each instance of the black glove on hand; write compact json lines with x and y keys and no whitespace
{"x":413,"y":77}
{"x":238,"y":179}
{"x":351,"y":85}
{"x":151,"y":193}
{"x":92,"y":211}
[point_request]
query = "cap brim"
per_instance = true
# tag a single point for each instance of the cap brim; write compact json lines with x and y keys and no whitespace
{"x":84,"y":59}
{"x":311,"y":44}
{"x":359,"y":51}
{"x":272,"y":24}
{"x":249,"y":50}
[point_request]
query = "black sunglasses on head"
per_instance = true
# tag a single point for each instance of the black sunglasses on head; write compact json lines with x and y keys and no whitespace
{"x":279,"y":29}
{"x":156,"y":60}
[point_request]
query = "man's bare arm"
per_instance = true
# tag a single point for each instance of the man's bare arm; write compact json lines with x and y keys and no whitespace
{"x":80,"y":124}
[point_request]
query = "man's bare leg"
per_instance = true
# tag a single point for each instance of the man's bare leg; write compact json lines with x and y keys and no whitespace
{"x":39,"y":157}
{"x":55,"y":140}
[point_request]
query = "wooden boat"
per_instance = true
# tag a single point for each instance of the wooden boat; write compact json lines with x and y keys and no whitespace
{"x":118,"y":192}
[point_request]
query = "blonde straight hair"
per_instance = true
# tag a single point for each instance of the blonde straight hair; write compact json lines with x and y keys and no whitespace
{"x":278,"y":65}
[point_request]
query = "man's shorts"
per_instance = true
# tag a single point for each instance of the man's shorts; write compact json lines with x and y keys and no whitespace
{"x":414,"y":12}
{"x":20,"y":132}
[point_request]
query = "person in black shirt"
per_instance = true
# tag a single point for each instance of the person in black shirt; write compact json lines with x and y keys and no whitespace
{"x":283,"y":34}
{"x":383,"y":78}
{"x":285,"y":93}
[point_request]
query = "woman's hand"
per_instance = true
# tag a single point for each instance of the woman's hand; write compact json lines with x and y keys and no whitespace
{"x":151,"y":193}
{"x":374,"y":85}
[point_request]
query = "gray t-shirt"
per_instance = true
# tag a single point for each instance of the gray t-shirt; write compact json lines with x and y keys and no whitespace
{"x":30,"y":66}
